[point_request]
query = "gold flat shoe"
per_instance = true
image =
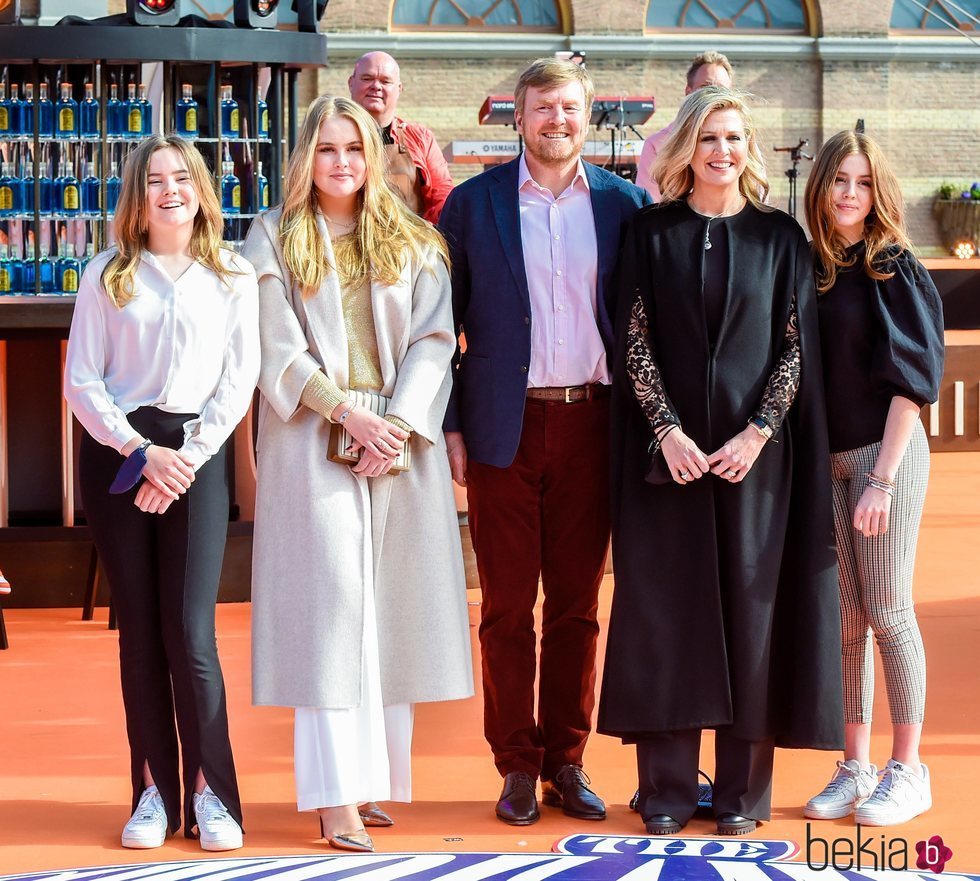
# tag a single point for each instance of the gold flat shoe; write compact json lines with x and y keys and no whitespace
{"x":360,"y":842}
{"x":372,"y":815}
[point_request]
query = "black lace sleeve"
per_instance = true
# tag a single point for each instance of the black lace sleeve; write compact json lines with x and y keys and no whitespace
{"x":784,"y":381}
{"x":644,"y":372}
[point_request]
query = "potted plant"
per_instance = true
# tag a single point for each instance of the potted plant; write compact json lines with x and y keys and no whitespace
{"x":957,"y":208}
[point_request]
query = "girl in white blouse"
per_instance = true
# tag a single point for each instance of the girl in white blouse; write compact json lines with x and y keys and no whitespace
{"x":163,"y":357}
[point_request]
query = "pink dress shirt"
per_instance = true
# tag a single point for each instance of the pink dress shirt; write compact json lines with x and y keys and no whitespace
{"x":648,"y":155}
{"x":561,"y":263}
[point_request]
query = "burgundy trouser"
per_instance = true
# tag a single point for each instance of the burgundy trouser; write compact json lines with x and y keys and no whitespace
{"x":546,"y":515}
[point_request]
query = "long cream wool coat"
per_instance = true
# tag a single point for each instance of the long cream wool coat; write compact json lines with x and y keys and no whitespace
{"x":324,"y":536}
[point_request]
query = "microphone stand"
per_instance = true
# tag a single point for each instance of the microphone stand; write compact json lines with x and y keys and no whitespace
{"x":796,"y":155}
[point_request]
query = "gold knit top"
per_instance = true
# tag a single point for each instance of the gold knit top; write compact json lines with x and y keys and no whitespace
{"x":323,"y":395}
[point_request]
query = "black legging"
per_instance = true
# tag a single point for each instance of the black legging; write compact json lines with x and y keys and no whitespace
{"x":163,"y":571}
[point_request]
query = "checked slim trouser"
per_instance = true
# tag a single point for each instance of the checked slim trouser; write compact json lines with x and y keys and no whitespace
{"x":876,"y":585}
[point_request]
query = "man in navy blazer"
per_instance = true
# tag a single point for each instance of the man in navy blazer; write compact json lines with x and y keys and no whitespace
{"x":534,"y":245}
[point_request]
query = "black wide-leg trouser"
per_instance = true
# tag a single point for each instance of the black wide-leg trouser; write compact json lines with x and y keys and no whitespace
{"x":668,"y":770}
{"x":163,"y":572}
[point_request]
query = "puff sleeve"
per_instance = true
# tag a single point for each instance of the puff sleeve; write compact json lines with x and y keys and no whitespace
{"x":907,"y":359}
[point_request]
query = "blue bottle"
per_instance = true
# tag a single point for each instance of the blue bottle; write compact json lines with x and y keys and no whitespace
{"x":16,"y":268}
{"x":11,"y":192}
{"x":146,"y":109}
{"x":231,"y":189}
{"x":28,"y":182}
{"x":45,"y":113}
{"x":134,"y":114}
{"x":262,"y":189}
{"x":45,"y":270}
{"x":68,"y":270}
{"x":6,"y":117}
{"x":263,"y":115}
{"x":69,"y":191}
{"x":112,"y":188}
{"x":91,"y":191}
{"x":47,"y":191}
{"x":27,"y":111}
{"x":57,"y":185}
{"x":230,"y":126}
{"x":28,"y":268}
{"x":6,"y":280}
{"x":16,"y":112}
{"x":187,"y":113}
{"x":66,"y":113}
{"x":89,"y":115}
{"x":114,"y":114}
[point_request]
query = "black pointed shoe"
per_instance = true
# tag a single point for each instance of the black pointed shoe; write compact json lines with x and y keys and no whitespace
{"x":518,"y":802}
{"x":570,"y":792}
{"x":735,"y":824}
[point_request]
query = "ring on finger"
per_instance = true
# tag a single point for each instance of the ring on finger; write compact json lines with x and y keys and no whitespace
{"x":685,"y":475}
{"x":731,"y":472}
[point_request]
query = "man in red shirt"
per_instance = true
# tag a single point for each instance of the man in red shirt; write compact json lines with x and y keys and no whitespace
{"x":416,"y":166}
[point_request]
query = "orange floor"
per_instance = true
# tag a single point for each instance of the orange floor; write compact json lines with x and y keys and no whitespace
{"x":63,"y":760}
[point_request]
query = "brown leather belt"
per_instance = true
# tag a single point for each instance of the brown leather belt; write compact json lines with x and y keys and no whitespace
{"x":569,"y":395}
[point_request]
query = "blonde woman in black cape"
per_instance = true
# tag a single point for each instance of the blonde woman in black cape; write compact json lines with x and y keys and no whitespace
{"x":725,"y":610}
{"x":358,"y":591}
{"x":163,"y":356}
{"x":879,"y":307}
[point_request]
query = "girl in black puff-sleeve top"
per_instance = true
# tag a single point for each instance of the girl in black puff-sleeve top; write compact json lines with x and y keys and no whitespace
{"x":881,"y":328}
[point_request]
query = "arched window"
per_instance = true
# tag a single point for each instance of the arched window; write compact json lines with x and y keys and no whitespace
{"x":461,"y":15}
{"x":939,"y":16}
{"x":741,"y":15}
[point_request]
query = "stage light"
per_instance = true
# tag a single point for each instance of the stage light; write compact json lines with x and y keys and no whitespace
{"x":964,"y":249}
{"x":9,"y":11}
{"x":309,"y":13}
{"x":153,"y":12}
{"x":256,"y":13}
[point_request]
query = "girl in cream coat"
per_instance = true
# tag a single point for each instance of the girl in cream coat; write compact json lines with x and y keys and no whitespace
{"x":359,"y":606}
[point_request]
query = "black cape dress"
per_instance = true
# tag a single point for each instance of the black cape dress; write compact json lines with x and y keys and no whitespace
{"x":726,"y":609}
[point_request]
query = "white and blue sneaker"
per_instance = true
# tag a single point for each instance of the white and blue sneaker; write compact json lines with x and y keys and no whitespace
{"x":216,"y":827}
{"x":148,"y":825}
{"x":850,"y":786}
{"x":901,"y":794}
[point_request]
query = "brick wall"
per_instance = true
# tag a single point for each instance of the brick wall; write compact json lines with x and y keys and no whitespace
{"x":923,"y":112}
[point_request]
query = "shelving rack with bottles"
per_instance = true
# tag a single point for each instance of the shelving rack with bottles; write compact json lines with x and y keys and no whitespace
{"x":58,"y":186}
{"x":36,"y":429}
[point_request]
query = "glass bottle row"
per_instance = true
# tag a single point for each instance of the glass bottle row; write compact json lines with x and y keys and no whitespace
{"x":57,"y":275}
{"x":231,"y":189}
{"x":131,"y":118}
{"x":65,"y":195}
{"x":186,"y":115}
{"x":66,"y":119}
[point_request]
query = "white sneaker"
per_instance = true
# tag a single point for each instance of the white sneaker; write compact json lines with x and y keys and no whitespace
{"x":901,"y":794}
{"x":148,"y":825}
{"x":216,"y":827}
{"x":848,"y":788}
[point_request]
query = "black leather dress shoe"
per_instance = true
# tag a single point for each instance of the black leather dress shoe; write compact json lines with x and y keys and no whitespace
{"x":518,"y":803}
{"x":735,"y":824}
{"x":570,"y":792}
{"x":661,"y":824}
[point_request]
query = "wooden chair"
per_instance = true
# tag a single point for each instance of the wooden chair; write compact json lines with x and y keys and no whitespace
{"x":92,"y":590}
{"x":4,"y":589}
